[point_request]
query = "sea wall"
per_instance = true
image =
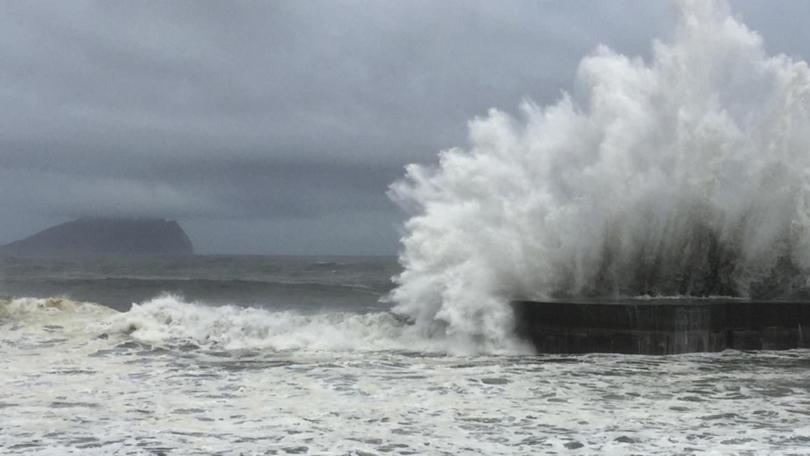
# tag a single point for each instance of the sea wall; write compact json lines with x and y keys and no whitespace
{"x":662,"y":326}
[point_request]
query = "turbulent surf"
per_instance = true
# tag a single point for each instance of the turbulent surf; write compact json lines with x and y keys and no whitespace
{"x":170,"y":376}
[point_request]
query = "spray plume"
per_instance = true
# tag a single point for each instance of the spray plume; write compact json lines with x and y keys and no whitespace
{"x":688,"y":174}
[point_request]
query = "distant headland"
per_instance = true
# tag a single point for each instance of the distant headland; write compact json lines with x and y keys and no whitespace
{"x":105,"y":236}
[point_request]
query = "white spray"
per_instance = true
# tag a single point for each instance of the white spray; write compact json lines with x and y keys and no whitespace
{"x":685,"y":175}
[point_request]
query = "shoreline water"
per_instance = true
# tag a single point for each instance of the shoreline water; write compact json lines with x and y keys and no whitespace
{"x":175,"y":376}
{"x":82,"y":377}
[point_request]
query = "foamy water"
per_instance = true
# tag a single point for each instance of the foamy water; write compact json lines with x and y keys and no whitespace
{"x":157,"y":380}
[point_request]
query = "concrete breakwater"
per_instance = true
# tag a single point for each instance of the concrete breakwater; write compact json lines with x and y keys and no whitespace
{"x":662,"y":326}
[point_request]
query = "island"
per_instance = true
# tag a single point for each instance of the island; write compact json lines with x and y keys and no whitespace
{"x":96,"y":236}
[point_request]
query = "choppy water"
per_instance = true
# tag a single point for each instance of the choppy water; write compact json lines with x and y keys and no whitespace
{"x":287,"y":374}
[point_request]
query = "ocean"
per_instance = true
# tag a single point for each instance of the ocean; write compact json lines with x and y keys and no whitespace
{"x":299,"y":355}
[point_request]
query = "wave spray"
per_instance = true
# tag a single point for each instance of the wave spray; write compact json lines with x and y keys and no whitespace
{"x":688,"y":174}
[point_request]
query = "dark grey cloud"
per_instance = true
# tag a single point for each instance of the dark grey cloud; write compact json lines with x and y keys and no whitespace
{"x":277,"y":126}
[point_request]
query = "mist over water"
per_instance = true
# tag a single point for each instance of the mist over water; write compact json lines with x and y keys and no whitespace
{"x":683,"y":175}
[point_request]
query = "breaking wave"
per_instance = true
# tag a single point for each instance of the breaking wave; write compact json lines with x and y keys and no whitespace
{"x":15,"y":309}
{"x":688,"y":174}
{"x":172,"y":322}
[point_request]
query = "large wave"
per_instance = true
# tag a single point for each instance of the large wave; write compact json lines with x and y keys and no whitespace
{"x":169,"y":320}
{"x":687,"y":174}
{"x":172,"y":322}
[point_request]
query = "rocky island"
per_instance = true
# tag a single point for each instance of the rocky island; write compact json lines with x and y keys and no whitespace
{"x":105,"y":236}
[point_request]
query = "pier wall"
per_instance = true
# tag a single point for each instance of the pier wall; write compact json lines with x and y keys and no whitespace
{"x":662,"y":327}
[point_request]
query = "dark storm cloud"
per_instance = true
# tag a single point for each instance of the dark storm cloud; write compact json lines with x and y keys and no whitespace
{"x":275,"y":126}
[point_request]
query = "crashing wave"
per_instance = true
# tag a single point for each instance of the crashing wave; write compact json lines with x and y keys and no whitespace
{"x":16,"y":308}
{"x":688,"y":174}
{"x":168,"y":320}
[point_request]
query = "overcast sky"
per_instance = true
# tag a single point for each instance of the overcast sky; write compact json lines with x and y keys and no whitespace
{"x":276,"y":126}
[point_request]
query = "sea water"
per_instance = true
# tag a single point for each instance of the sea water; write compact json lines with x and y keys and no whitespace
{"x":167,"y":356}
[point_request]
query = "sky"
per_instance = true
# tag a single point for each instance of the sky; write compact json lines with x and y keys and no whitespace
{"x":276,"y":127}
